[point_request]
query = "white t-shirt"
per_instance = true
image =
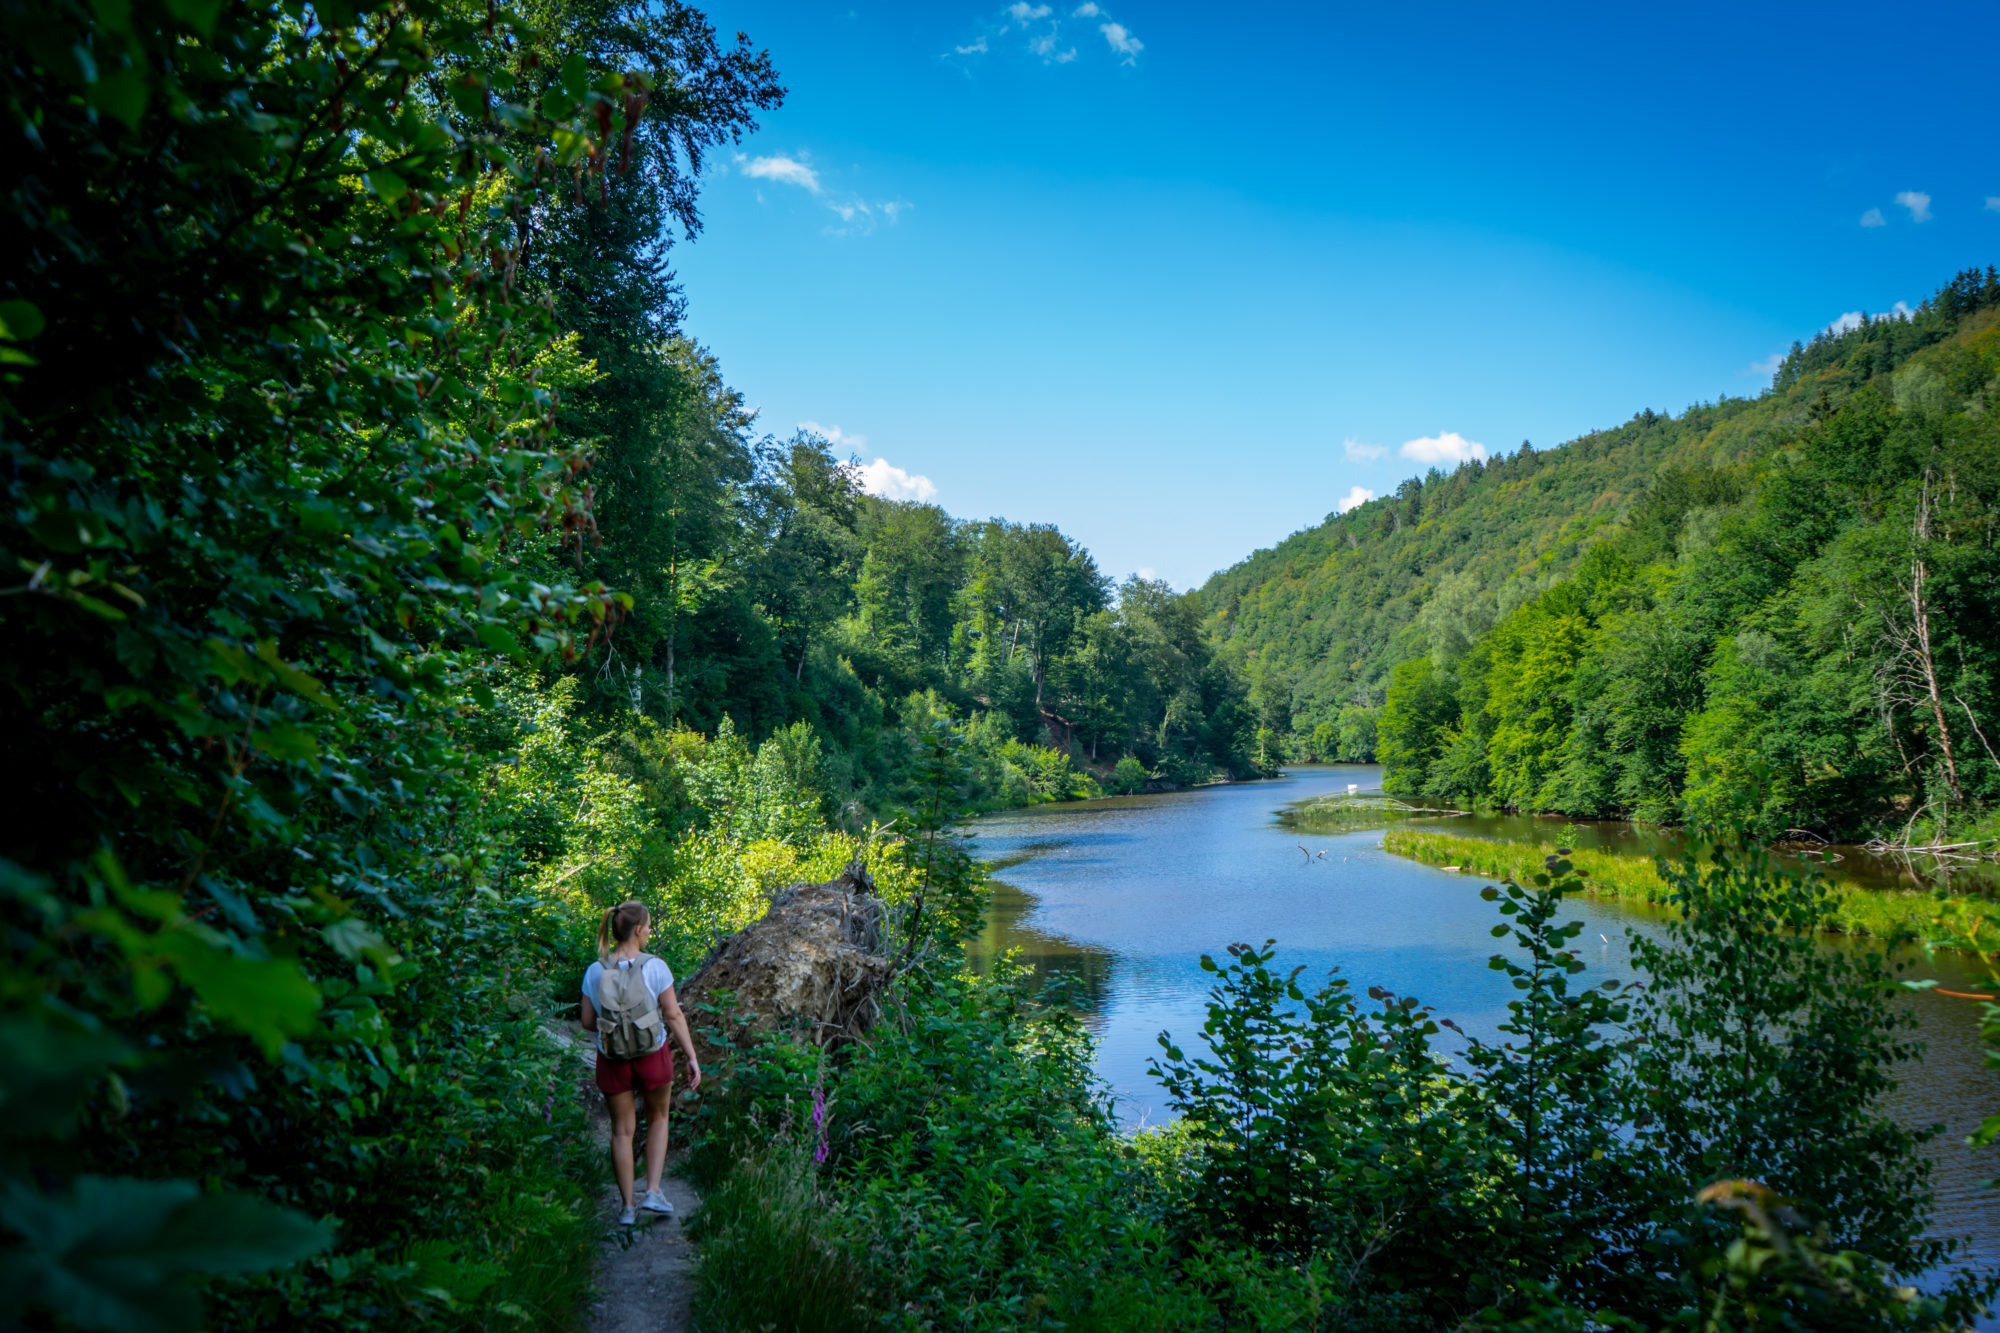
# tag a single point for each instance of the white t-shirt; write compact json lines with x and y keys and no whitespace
{"x":659,"y":979}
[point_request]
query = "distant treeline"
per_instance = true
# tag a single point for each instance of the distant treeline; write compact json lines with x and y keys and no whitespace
{"x":769,"y":589}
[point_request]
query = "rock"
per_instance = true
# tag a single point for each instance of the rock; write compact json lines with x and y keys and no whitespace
{"x":816,"y":963}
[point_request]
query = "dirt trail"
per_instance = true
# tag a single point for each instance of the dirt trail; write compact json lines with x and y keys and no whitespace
{"x":648,"y":1285}
{"x":645,"y":1281}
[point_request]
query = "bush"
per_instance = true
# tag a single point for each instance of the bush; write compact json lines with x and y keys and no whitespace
{"x":1332,"y":1169}
{"x":1128,"y":778}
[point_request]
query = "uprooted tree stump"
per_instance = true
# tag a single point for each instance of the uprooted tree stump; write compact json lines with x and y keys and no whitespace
{"x":816,"y":964}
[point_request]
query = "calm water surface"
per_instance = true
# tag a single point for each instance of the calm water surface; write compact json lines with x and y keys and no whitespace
{"x":1122,"y":897}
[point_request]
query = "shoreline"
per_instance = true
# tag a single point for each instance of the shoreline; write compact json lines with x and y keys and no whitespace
{"x":1876,"y":913}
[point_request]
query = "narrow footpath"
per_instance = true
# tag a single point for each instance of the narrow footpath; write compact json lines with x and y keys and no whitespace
{"x":645,"y":1277}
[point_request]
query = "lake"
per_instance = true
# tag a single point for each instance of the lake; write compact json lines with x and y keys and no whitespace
{"x":1120,"y":898}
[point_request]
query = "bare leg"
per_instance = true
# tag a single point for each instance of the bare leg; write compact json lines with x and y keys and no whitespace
{"x":624,"y":1123}
{"x":657,"y":1105}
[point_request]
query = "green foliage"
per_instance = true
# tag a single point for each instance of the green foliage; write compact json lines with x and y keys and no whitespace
{"x":1766,"y":609}
{"x":1128,"y":778}
{"x":1766,"y":1056}
{"x":287,"y":480}
{"x":1329,"y":1129}
{"x":108,"y":1253}
{"x":1573,"y":1215}
{"x":1331,"y":1168}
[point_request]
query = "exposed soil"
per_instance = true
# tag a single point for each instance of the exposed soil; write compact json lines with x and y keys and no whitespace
{"x":645,"y":1276}
{"x":646,"y":1284}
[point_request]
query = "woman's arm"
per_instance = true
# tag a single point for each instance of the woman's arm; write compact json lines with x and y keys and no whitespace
{"x":589,"y":1015}
{"x":670,"y":1009}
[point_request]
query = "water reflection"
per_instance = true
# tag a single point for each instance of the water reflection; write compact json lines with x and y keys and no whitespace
{"x":1118,"y":900}
{"x":1845,"y":863}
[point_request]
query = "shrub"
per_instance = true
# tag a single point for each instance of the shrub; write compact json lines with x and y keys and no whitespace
{"x":1128,"y":778}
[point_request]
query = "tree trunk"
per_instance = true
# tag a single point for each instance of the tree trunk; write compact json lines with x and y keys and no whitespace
{"x":1920,"y":629}
{"x":1920,"y":617}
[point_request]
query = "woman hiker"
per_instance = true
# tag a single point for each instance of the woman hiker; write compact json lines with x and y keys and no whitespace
{"x":626,"y":995}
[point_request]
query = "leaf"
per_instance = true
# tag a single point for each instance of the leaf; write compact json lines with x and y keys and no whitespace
{"x":95,"y":606}
{"x":197,"y":14}
{"x":387,"y":185}
{"x":237,"y":1233}
{"x":293,"y":679}
{"x":20,"y":321}
{"x":68,"y":530}
{"x":353,"y":940}
{"x":318,"y":517}
{"x":286,"y":740}
{"x":576,"y":76}
{"x":122,"y":95}
{"x":270,"y":1000}
{"x":52,"y":1065}
{"x":234,"y":663}
{"x":111,"y":1254}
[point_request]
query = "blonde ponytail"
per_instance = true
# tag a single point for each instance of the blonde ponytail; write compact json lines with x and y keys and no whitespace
{"x":617,"y":926}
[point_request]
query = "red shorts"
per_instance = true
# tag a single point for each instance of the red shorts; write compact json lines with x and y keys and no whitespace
{"x":640,"y":1075}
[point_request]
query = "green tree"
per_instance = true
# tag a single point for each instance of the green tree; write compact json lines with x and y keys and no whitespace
{"x":317,"y":487}
{"x":1766,"y":1057}
{"x":805,"y":579}
{"x":1411,"y":733}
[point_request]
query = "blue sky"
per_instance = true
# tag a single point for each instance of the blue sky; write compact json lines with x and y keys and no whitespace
{"x":1181,"y":278}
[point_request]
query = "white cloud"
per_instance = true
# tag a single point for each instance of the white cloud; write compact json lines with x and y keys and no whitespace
{"x":883,"y":478}
{"x":1051,"y":35}
{"x":786,"y":170}
{"x":1918,"y":203}
{"x":1122,"y":41}
{"x":1367,"y":453}
{"x":1768,"y":367}
{"x":1993,"y":203}
{"x":1354,"y":498}
{"x":1873,"y":218}
{"x":1447,"y":447}
{"x":1045,"y":47}
{"x":858,"y":216}
{"x":834,"y":435}
{"x":1852,"y":319}
{"x":1147,"y":572}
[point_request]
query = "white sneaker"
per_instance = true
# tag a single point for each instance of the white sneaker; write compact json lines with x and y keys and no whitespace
{"x":627,"y":1216}
{"x":656,"y":1202}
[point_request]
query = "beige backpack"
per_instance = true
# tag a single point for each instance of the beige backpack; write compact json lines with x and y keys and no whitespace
{"x":628,"y":1015}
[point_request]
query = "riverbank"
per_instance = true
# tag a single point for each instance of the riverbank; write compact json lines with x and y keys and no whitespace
{"x":1861,"y":911}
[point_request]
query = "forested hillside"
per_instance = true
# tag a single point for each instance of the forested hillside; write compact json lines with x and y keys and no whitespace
{"x":1777,"y":607}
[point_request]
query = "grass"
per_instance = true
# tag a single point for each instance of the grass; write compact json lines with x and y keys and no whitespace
{"x":1877,"y":912}
{"x":769,"y":1257}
